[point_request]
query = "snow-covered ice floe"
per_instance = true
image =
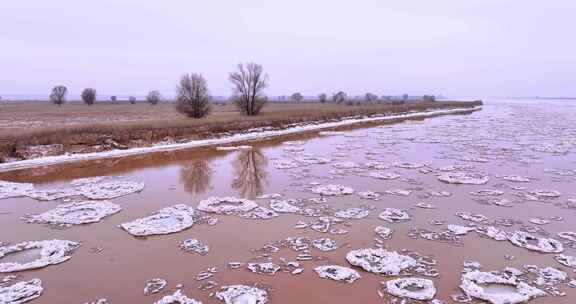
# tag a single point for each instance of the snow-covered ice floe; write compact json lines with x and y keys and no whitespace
{"x":110,"y":190}
{"x":256,"y":135}
{"x":226,"y":205}
{"x":10,"y":189}
{"x":529,"y":241}
{"x":76,"y":213}
{"x":384,"y":232}
{"x":464,"y":178}
{"x":263,"y":268}
{"x":333,"y":190}
{"x":382,"y":261}
{"x":337,"y":273}
{"x":394,"y":215}
{"x":352,"y":213}
{"x":155,"y":285}
{"x":177,"y":298}
{"x":413,"y":288}
{"x":167,"y":220}
{"x":497,"y":289}
{"x":21,"y":292}
{"x":194,"y":245}
{"x":240,"y":294}
{"x":49,"y":252}
{"x":325,"y":244}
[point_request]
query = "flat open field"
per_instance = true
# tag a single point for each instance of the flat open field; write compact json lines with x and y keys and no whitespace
{"x":76,"y":125}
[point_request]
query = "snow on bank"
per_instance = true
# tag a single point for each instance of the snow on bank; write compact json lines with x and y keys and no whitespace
{"x":256,"y":135}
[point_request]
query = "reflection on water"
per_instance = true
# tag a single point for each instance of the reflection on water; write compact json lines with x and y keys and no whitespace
{"x":249,"y":173}
{"x":195,"y":176}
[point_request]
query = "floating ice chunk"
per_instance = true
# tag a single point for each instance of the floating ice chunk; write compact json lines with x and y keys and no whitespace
{"x":110,"y":190}
{"x":284,"y":163}
{"x":516,"y":178}
{"x":345,"y":165}
{"x":539,"y":221}
{"x":167,"y":220}
{"x":531,"y":242}
{"x":333,"y":190}
{"x":384,"y":232}
{"x":380,"y":261}
{"x":566,"y":260}
{"x":263,"y":268}
{"x":497,"y":289}
{"x":51,"y":252}
{"x":413,"y":288}
{"x":259,"y":213}
{"x":568,"y":235}
{"x":426,"y":205}
{"x":370,"y":195}
{"x":325,"y":244}
{"x":10,"y":189}
{"x":21,"y":292}
{"x":492,"y":233}
{"x":226,"y":205}
{"x":99,"y":301}
{"x":460,"y":230}
{"x":352,"y":213}
{"x":464,"y":178}
{"x":275,"y":196}
{"x":283,"y":206}
{"x":384,"y":175}
{"x":439,"y":193}
{"x":233,"y":148}
{"x":487,"y":192}
{"x":477,"y":218}
{"x":194,"y":245}
{"x":312,"y":160}
{"x":394,"y":215}
{"x":242,"y":294}
{"x":154,"y":286}
{"x":52,"y":194}
{"x":399,"y":192}
{"x":337,"y":273}
{"x":377,"y":165}
{"x":407,"y":165}
{"x":76,"y":213}
{"x":546,"y":193}
{"x":87,"y":180}
{"x":177,"y":297}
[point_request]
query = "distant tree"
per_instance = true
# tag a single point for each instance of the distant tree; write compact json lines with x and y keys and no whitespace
{"x":89,"y":96}
{"x":429,"y":98}
{"x":113,"y":98}
{"x":249,"y":83}
{"x":58,"y":94}
{"x":339,"y":97}
{"x":153,"y":97}
{"x":297,"y":97}
{"x":405,"y":97}
{"x":132,"y":99}
{"x":322,"y":97}
{"x":369,"y":97}
{"x":192,"y":96}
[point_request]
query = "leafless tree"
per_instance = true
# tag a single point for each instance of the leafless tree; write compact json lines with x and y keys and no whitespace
{"x":429,"y":98}
{"x":369,"y":97}
{"x":297,"y":97}
{"x":322,"y":97}
{"x":132,"y":99}
{"x":192,"y":96}
{"x":113,"y":98}
{"x":58,"y":95}
{"x":405,"y":97}
{"x":89,"y":96}
{"x":249,"y":173}
{"x":153,"y":97}
{"x":248,"y":84}
{"x":339,"y":97}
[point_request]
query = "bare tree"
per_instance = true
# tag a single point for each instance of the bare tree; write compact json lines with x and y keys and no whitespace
{"x":89,"y":96}
{"x":153,"y":97}
{"x":113,"y":98}
{"x":58,"y":95}
{"x":369,"y":97}
{"x":192,"y":96}
{"x":322,"y":97}
{"x":429,"y":98}
{"x":248,"y":84}
{"x":405,"y":97}
{"x":132,"y":100}
{"x":339,"y":97}
{"x":297,"y":97}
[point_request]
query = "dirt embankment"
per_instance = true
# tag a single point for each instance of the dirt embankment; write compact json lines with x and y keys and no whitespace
{"x":36,"y":130}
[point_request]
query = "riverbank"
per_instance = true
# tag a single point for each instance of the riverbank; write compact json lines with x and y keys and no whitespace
{"x":32,"y":145}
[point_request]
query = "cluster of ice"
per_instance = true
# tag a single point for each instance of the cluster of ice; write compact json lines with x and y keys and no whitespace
{"x":529,"y":241}
{"x":384,"y":232}
{"x":566,"y":260}
{"x":408,"y":165}
{"x":177,"y":297}
{"x":194,"y":245}
{"x":284,"y":206}
{"x":21,"y":292}
{"x":51,"y":252}
{"x":399,"y":192}
{"x":491,"y":287}
{"x":394,"y":215}
{"x":345,"y":165}
{"x":384,"y":175}
{"x":325,"y":244}
{"x":240,"y":294}
{"x":154,"y":286}
{"x":546,"y":193}
{"x":516,"y":178}
{"x":464,"y":178}
{"x":371,"y":195}
{"x":10,"y":189}
{"x":473,"y":217}
{"x":259,"y":213}
{"x":337,"y":273}
{"x":263,"y":268}
{"x":352,"y":213}
{"x":167,"y":220}
{"x":110,"y":190}
{"x":413,"y":288}
{"x":333,"y":190}
{"x":460,"y":230}
{"x":76,"y":213}
{"x":568,"y":235}
{"x":380,"y":260}
{"x":226,"y":205}
{"x":487,"y":192}
{"x":285,"y":163}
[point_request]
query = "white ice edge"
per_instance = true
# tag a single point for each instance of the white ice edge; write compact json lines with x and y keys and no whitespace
{"x":67,"y":158}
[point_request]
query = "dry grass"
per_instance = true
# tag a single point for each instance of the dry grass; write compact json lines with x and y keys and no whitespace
{"x":75,"y":124}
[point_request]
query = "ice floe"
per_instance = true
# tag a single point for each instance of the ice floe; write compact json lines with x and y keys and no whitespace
{"x":394,"y":215}
{"x":76,"y":213}
{"x":284,"y":206}
{"x":464,"y":178}
{"x":384,"y":232}
{"x":177,"y":298}
{"x":333,"y":190}
{"x":194,"y":245}
{"x":384,"y":175}
{"x":242,"y":294}
{"x":21,"y":292}
{"x":412,"y":288}
{"x":10,"y":189}
{"x":226,"y":205}
{"x":263,"y":268}
{"x":337,"y":273}
{"x":532,"y":242}
{"x":325,"y":244}
{"x":165,"y":221}
{"x":110,"y":190}
{"x":154,"y":286}
{"x":380,"y":260}
{"x":497,"y":289}
{"x":352,"y":213}
{"x":49,"y":252}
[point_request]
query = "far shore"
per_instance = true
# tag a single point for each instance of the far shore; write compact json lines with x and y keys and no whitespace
{"x":32,"y":130}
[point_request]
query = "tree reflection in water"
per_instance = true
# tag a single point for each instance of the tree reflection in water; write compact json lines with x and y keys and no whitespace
{"x":249,"y":173}
{"x":196,"y":176}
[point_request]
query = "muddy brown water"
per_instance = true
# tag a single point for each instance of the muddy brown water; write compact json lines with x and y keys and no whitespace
{"x":505,"y":134}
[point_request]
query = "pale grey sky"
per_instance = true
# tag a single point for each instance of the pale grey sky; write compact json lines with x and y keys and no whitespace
{"x":453,"y":47}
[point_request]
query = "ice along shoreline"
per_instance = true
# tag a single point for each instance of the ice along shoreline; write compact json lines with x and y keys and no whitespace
{"x":233,"y":139}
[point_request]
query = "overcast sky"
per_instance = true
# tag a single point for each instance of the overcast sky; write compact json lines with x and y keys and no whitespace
{"x":450,"y":47}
